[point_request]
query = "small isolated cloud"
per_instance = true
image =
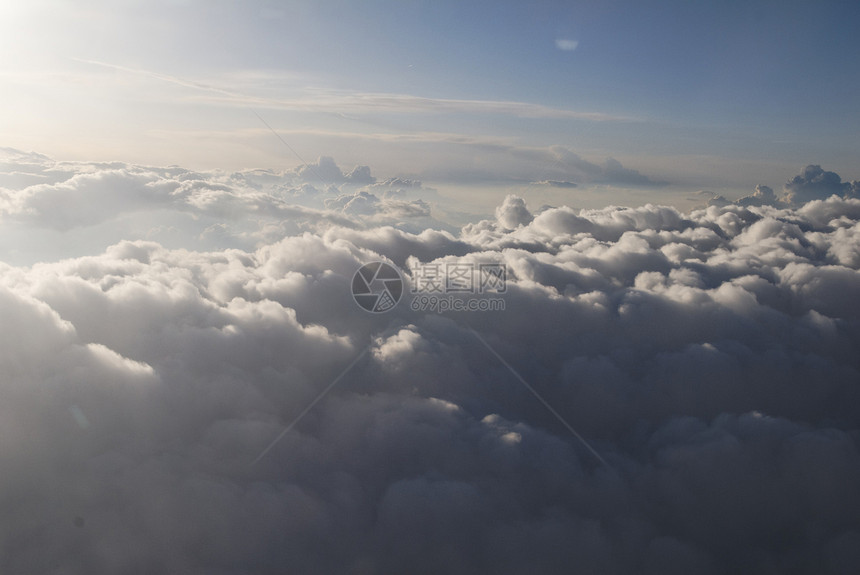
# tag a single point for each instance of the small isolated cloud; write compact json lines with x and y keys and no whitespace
{"x":566,"y":44}
{"x":556,"y":183}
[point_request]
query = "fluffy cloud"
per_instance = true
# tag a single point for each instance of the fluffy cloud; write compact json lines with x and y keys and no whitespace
{"x":763,"y":196}
{"x":200,"y":210}
{"x":813,"y":183}
{"x":513,"y":213}
{"x":708,"y":357}
{"x":816,"y":184}
{"x":326,"y":171}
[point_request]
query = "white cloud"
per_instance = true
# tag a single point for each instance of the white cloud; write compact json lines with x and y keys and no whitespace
{"x":817,"y":184}
{"x":813,"y":183}
{"x":566,"y":45}
{"x":352,"y":101}
{"x":513,"y":213}
{"x":709,"y":357}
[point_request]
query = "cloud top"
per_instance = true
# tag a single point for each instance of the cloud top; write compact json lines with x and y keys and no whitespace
{"x":709,"y":357}
{"x":813,"y":183}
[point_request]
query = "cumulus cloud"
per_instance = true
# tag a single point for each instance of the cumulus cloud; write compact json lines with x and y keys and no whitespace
{"x":326,"y":171}
{"x":709,"y":357}
{"x":201,"y":210}
{"x":813,"y":183}
{"x":513,"y":213}
{"x":763,"y":196}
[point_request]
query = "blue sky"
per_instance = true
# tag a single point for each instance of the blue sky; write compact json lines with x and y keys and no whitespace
{"x":690,"y":95}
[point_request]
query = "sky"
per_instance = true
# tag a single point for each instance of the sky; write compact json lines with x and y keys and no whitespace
{"x":466,"y":95}
{"x":429,"y":287}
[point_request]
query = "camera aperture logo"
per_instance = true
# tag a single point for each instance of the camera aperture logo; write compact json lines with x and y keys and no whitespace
{"x":377,"y":287}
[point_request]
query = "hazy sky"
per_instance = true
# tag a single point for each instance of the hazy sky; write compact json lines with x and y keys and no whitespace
{"x":690,"y":95}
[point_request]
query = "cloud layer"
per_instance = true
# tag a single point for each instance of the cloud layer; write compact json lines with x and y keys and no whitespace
{"x":708,"y":357}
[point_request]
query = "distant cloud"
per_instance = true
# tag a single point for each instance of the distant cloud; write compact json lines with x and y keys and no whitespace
{"x":555,"y":183}
{"x":566,"y":44}
{"x":763,"y":196}
{"x":611,"y":171}
{"x":513,"y":213}
{"x":614,"y":172}
{"x":37,"y":191}
{"x":813,"y":183}
{"x":351,"y":101}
